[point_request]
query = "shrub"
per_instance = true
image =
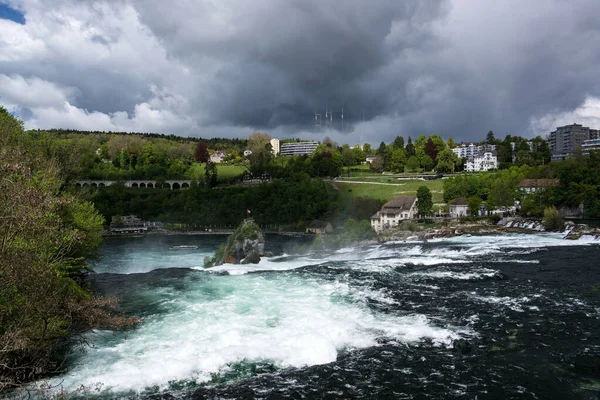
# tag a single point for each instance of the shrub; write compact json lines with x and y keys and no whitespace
{"x":552,"y":221}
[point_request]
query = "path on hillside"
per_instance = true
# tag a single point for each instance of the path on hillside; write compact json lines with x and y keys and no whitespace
{"x":370,"y":183}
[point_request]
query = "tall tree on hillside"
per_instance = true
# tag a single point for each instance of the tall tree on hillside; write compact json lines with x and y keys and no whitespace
{"x":451,"y":143}
{"x":490,"y":138}
{"x":430,"y":149}
{"x":410,"y":148}
{"x":420,"y":142}
{"x":424,"y":201}
{"x":398,"y":143}
{"x":210,"y":174}
{"x":427,"y":163}
{"x":446,"y":161}
{"x":201,"y":153}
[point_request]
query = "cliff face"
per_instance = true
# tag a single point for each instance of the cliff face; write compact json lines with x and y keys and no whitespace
{"x":245,"y":246}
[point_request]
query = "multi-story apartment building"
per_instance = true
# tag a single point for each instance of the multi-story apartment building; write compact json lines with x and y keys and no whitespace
{"x":565,"y":140}
{"x":471,"y":150}
{"x":479,"y":158}
{"x":275,"y":148}
{"x":590,"y":145}
{"x":484,"y":163}
{"x":298,"y":148}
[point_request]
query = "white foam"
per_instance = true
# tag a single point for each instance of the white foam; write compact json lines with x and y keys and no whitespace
{"x":510,"y":302}
{"x":473,"y":275}
{"x":286,"y":319}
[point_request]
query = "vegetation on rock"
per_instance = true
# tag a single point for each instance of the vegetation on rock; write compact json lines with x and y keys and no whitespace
{"x":245,"y":245}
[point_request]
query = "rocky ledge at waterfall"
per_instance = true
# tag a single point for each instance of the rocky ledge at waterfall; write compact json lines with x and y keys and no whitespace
{"x":451,"y":228}
{"x":245,"y":246}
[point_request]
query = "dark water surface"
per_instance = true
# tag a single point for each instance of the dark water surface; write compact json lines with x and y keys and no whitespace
{"x":471,"y":317}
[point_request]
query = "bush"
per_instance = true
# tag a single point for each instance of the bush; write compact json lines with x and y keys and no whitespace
{"x":552,"y":221}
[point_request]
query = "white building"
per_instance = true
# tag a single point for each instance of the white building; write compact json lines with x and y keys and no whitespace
{"x":466,"y":151}
{"x":393,"y":212}
{"x":458,"y":208}
{"x":590,"y":145}
{"x":485,"y":163}
{"x":298,"y":148}
{"x":217,"y":157}
{"x":275,"y":148}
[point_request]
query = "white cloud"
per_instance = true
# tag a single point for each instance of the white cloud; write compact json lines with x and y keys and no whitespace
{"x":587,"y":114}
{"x":33,"y":92}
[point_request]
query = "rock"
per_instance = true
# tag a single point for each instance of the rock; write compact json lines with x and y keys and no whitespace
{"x":246,"y":245}
{"x":252,"y":258}
{"x":573,"y":236}
{"x":229,"y":260}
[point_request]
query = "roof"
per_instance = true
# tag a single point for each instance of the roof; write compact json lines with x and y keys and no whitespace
{"x":458,"y":202}
{"x":538,"y":183}
{"x":377,"y":215}
{"x":316,"y":224}
{"x":397,"y":204}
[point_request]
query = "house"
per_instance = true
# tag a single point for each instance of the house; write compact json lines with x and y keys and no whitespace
{"x":217,"y":157}
{"x":370,"y":159}
{"x":533,"y":185}
{"x":319,"y":227}
{"x":127,"y":224}
{"x":458,"y":208}
{"x":393,"y":212}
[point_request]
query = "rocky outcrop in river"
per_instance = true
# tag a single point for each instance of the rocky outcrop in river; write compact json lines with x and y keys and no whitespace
{"x":245,"y":246}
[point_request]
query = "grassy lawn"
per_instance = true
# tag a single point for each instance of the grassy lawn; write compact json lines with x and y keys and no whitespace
{"x":386,"y":192}
{"x":224,"y":171}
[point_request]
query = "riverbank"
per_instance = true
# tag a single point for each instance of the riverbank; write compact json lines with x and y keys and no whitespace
{"x":409,"y":230}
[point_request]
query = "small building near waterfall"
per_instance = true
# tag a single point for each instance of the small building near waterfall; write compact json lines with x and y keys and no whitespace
{"x":127,"y":224}
{"x":319,"y":227}
{"x":393,"y":212}
{"x":458,"y":208}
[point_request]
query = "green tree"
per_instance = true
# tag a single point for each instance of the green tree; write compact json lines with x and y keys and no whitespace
{"x":424,"y":201}
{"x":410,"y":148}
{"x":45,"y":235}
{"x":446,"y":161}
{"x":552,"y":220}
{"x":427,"y":163}
{"x":490,"y":138}
{"x":474,"y":204}
{"x":398,"y":143}
{"x":398,"y":160}
{"x":412,"y":164}
{"x":451,"y":143}
{"x":210,"y":174}
{"x":420,"y":142}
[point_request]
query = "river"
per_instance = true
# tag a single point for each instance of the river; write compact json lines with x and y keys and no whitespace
{"x":381,"y":321}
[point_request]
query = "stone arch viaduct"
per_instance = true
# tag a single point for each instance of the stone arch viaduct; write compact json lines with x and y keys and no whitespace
{"x":142,"y":183}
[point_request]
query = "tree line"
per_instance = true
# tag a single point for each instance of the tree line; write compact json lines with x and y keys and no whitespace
{"x":46,"y":234}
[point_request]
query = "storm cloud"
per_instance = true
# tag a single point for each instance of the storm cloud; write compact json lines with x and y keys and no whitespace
{"x":226,"y":68}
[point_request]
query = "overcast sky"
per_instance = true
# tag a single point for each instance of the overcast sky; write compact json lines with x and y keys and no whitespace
{"x":227,"y":68}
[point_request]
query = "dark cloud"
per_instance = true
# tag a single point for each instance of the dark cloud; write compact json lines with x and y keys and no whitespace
{"x":454,"y":67}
